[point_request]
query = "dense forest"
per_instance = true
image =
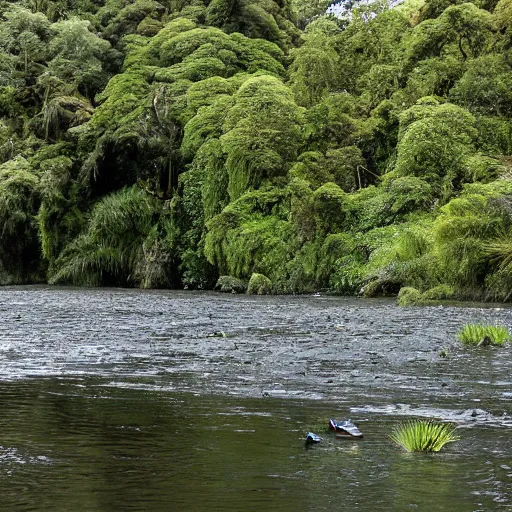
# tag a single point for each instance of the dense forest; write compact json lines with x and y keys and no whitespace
{"x":165,"y":144}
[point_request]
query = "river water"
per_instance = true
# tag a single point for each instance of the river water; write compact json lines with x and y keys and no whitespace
{"x":119,"y":400}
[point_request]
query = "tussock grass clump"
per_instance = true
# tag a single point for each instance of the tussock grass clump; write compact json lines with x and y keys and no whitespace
{"x":423,"y":435}
{"x":474,"y":334}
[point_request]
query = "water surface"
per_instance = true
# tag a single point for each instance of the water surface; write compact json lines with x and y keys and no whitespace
{"x":126,"y":400}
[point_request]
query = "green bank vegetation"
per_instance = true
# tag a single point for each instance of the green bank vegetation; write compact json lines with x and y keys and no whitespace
{"x":165,"y":144}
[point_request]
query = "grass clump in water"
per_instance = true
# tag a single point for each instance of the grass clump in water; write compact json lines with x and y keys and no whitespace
{"x":423,"y":435}
{"x":475,"y":334}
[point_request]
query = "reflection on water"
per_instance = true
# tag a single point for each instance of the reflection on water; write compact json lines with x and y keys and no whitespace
{"x":82,"y":445}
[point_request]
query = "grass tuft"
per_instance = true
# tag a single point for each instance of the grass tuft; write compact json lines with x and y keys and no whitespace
{"x":473,"y":334}
{"x":423,"y":435}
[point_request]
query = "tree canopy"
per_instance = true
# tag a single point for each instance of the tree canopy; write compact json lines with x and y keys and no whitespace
{"x":167,"y":143}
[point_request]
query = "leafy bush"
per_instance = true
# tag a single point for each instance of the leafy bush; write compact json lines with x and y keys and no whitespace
{"x":423,"y":435}
{"x":259,"y":285}
{"x":111,"y":250}
{"x":230,"y":284}
{"x":19,"y":201}
{"x":408,"y":296}
{"x":467,"y":233}
{"x":252,"y":235}
{"x":440,"y":292}
{"x":485,"y":86}
{"x":434,"y":144}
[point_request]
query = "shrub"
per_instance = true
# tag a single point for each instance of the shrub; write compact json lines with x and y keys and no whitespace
{"x":423,"y":435}
{"x":259,"y":285}
{"x":434,"y":142}
{"x":252,"y":234}
{"x":111,"y":249}
{"x":474,"y":334}
{"x":463,"y":232}
{"x":408,"y":296}
{"x":440,"y":292}
{"x":19,"y":201}
{"x":229,"y":284}
{"x":498,"y":286}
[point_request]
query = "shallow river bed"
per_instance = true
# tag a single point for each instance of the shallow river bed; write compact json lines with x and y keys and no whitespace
{"x":128,"y":400}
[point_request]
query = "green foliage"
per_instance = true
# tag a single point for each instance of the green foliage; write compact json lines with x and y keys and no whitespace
{"x":143,"y":111}
{"x":465,"y":227}
{"x":127,"y":19}
{"x":344,"y":263}
{"x":423,"y":435}
{"x":379,"y":83}
{"x":485,"y":87}
{"x":205,"y":125}
{"x":390,"y":257}
{"x":188,"y":229}
{"x":498,"y":286}
{"x":408,"y":194}
{"x":332,"y":123}
{"x":329,"y":204}
{"x":111,"y":248}
{"x":503,"y":21}
{"x":435,"y":143}
{"x":184,"y":43}
{"x":494,"y":135}
{"x":463,"y":30}
{"x":433,"y":76}
{"x":370,"y":208}
{"x":370,"y":39}
{"x":122,"y":103}
{"x":19,"y":201}
{"x":206,"y":93}
{"x":265,"y":19}
{"x":439,"y":292}
{"x":252,"y":234}
{"x":24,"y":34}
{"x":53,"y":187}
{"x":64,"y":112}
{"x":313,"y":68}
{"x":262,"y":133}
{"x":18,"y":197}
{"x":500,"y":252}
{"x":259,"y":285}
{"x":77,"y":55}
{"x":474,"y":334}
{"x":343,"y":167}
{"x":229,"y":284}
{"x":470,"y":26}
{"x":408,"y":296}
{"x":361,"y":155}
{"x":308,"y":10}
{"x":397,"y":256}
